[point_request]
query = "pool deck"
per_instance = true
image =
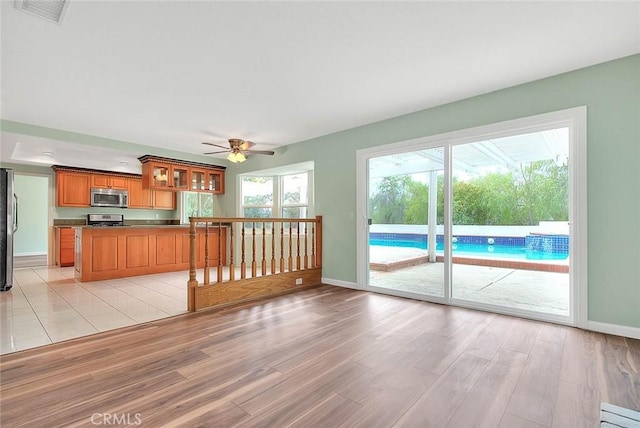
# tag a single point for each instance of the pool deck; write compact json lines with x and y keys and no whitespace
{"x":388,"y":259}
{"x":537,"y":290}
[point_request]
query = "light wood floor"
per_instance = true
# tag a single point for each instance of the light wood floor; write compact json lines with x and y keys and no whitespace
{"x":325,"y":357}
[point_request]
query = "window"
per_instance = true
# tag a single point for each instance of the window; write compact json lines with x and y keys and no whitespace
{"x":286,"y":195}
{"x":294,"y":195}
{"x":195,"y":204}
{"x":257,"y":196}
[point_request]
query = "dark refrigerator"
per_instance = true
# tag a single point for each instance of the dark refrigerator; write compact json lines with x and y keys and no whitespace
{"x":8,"y":226}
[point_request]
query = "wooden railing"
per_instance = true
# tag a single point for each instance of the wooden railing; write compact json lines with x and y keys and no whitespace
{"x":245,"y":258}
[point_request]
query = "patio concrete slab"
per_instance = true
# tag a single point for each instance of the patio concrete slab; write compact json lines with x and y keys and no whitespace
{"x":539,"y":291}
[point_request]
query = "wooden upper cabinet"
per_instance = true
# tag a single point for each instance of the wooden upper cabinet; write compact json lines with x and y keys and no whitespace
{"x":215,"y":181}
{"x":165,"y":176}
{"x":109,"y":182}
{"x":164,"y":200}
{"x":175,"y":175}
{"x":203,"y":180}
{"x":198,"y":180}
{"x":139,"y":197}
{"x":73,"y":189}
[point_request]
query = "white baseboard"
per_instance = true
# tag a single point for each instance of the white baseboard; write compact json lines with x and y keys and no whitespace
{"x":29,"y":261}
{"x":615,"y":329}
{"x":340,"y":283}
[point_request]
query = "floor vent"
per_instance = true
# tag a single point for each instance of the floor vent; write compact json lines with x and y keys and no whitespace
{"x":51,"y":10}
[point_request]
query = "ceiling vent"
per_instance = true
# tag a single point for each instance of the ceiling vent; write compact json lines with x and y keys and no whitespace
{"x":51,"y":10}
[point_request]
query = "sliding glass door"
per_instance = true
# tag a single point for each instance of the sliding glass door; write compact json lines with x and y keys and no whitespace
{"x":510,"y":222}
{"x":487,"y":221}
{"x":406,"y":214}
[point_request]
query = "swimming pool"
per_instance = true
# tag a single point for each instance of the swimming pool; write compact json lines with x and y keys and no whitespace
{"x":511,"y":252}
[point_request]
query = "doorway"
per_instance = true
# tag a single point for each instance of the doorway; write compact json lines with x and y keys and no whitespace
{"x":31,"y":245}
{"x":490,"y":218}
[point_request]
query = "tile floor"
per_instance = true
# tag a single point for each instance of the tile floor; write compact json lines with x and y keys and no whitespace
{"x":47,"y":305}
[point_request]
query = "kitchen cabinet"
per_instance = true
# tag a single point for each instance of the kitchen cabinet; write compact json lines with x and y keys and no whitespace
{"x":65,"y":246}
{"x":215,"y":182}
{"x":118,"y":252}
{"x":175,"y":175}
{"x":142,"y":198}
{"x":203,"y":180}
{"x":165,"y":176}
{"x":198,"y":180}
{"x":138,"y":197}
{"x":109,"y":181}
{"x":73,"y":189}
{"x":164,"y":200}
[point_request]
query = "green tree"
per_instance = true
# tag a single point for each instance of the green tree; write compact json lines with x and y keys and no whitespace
{"x":389,"y":202}
{"x":417,"y":203}
{"x":468,"y":203}
{"x":535,"y":192}
{"x":500,"y":200}
{"x":545,"y":191}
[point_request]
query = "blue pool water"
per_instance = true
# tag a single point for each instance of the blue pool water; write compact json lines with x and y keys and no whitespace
{"x":510,"y":252}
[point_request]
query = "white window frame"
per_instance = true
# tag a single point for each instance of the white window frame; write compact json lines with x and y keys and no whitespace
{"x":182,"y":206}
{"x":277,"y":176}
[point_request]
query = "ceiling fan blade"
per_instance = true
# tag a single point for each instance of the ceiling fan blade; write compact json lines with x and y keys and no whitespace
{"x":246,"y":145}
{"x":260,"y":152}
{"x":215,"y":153}
{"x":215,"y":145}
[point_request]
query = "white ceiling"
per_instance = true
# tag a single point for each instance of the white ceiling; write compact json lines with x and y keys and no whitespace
{"x":172,"y":74}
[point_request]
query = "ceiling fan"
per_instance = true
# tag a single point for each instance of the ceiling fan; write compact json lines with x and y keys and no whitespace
{"x":238,"y":150}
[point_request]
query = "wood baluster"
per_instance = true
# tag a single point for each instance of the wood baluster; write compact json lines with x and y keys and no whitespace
{"x":206,"y":254}
{"x":264,"y":244}
{"x":243,"y":265}
{"x":290,"y":260}
{"x":281,"y":247}
{"x":318,"y":241}
{"x":306,"y":247}
{"x":193,"y":282}
{"x":253,"y":250}
{"x":273,"y":248}
{"x":298,"y":245}
{"x":219,"y":252}
{"x":313,"y":245}
{"x":232,"y":269}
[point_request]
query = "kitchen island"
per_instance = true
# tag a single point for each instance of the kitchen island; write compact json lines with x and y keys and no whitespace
{"x":117,"y":252}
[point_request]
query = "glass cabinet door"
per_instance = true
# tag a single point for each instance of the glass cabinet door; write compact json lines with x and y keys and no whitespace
{"x":160,"y":175}
{"x":213,"y":181}
{"x":198,"y":180}
{"x":180,"y":177}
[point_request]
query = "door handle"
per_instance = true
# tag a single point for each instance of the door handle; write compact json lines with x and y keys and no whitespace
{"x":15,"y":214}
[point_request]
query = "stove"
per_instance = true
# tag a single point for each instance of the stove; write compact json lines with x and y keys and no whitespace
{"x":105,"y":220}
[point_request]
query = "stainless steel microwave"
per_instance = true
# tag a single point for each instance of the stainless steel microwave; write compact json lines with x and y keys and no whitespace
{"x":109,"y":198}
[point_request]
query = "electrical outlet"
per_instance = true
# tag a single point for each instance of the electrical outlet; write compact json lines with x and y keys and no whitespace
{"x":298,"y":281}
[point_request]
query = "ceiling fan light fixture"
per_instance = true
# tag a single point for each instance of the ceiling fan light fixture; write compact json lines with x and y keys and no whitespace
{"x":236,"y":157}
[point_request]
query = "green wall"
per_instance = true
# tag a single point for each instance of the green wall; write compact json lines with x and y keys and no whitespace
{"x":611,"y":92}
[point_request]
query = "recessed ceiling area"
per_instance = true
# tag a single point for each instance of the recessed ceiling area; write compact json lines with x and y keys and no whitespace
{"x":172,"y":74}
{"x":31,"y":150}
